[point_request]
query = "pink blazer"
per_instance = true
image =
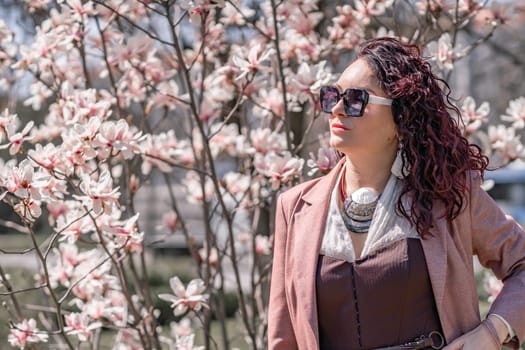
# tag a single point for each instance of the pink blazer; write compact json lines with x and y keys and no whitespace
{"x":481,"y":229}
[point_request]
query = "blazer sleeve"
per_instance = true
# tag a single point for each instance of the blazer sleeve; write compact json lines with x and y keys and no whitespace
{"x":499,"y":243}
{"x":280,"y":330}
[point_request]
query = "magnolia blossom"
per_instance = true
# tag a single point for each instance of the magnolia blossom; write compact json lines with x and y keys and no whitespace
{"x":346,"y":31}
{"x":79,"y":325}
{"x":474,"y":117}
{"x":192,"y":184}
{"x":122,"y":228}
{"x":119,"y":137}
{"x":262,"y":245}
{"x":20,"y":180}
{"x":170,"y":220}
{"x":181,"y":328}
{"x":492,"y":286}
{"x":252,"y":62}
{"x":308,"y":80}
{"x":210,"y":257}
{"x":230,"y":15}
{"x":225,"y":138}
{"x":24,"y":333}
{"x":236,"y":183}
{"x":516,"y":113}
{"x":266,"y":140}
{"x":505,"y":143}
{"x":327,"y":158}
{"x":365,"y":9}
{"x":16,"y":139}
{"x":7,"y":120}
{"x":198,"y":7}
{"x":99,"y":193}
{"x":442,"y":52}
{"x":162,"y":150}
{"x":280,"y":169}
{"x":192,"y":297}
{"x":270,"y":103}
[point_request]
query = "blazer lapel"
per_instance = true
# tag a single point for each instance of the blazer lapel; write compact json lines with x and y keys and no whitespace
{"x":309,"y":226}
{"x":435,"y":249}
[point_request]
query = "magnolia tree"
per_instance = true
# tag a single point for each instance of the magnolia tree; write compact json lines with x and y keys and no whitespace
{"x":133,"y":89}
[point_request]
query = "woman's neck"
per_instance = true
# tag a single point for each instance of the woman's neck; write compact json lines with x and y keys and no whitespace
{"x":368,"y":171}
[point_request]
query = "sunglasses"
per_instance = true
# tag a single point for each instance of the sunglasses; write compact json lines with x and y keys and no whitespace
{"x":354,"y":100}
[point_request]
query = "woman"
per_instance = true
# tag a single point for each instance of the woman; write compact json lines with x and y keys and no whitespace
{"x":378,"y":253}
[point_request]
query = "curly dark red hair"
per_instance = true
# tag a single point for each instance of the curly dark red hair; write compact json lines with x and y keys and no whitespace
{"x":433,"y":148}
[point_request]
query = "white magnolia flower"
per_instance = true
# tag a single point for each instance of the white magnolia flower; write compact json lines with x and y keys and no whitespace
{"x":474,"y":117}
{"x":252,"y":62}
{"x":192,"y":297}
{"x":516,"y":113}
{"x":24,"y":333}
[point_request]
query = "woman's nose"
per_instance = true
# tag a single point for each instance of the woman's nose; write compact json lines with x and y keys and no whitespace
{"x":339,"y":110}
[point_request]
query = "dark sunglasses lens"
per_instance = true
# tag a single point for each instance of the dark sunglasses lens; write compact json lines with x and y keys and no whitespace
{"x":354,"y":100}
{"x":329,"y":97}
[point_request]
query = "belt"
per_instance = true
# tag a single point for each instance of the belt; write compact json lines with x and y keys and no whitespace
{"x":434,"y":340}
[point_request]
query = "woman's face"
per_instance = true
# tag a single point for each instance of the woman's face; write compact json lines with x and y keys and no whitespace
{"x":375,"y":131}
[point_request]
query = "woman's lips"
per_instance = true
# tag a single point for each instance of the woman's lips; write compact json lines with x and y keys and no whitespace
{"x":338,"y":127}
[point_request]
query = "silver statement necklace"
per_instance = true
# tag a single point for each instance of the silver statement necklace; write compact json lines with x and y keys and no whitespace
{"x":358,"y":208}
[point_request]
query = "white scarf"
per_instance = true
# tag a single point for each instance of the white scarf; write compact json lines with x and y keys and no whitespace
{"x":386,"y":226}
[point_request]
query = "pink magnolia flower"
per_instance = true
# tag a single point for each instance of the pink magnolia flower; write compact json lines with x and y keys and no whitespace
{"x":474,"y":117}
{"x":56,"y":209}
{"x":192,"y":184}
{"x":72,"y":224}
{"x":262,"y":245}
{"x":230,"y":15}
{"x":186,"y":343}
{"x":125,"y":233}
{"x":266,"y":140}
{"x":99,"y":193}
{"x":212,"y":259}
{"x":308,"y":81}
{"x":346,"y":32}
{"x":49,"y":157}
{"x":192,"y":297}
{"x":198,"y":7}
{"x":122,"y":228}
{"x":162,"y":150}
{"x":170,"y":220}
{"x":515,"y":113}
{"x":365,"y":9}
{"x":443,"y":53}
{"x":16,"y":139}
{"x":225,"y":138}
{"x":29,"y":209}
{"x":236,"y":183}
{"x":24,"y":333}
{"x":492,"y":286}
{"x":7,"y":121}
{"x":181,"y":328}
{"x":20,"y":180}
{"x":118,"y":137}
{"x":270,"y":103}
{"x":327,"y":158}
{"x":79,"y":324}
{"x":506,"y":145}
{"x":39,"y":93}
{"x":280,"y":169}
{"x":80,"y":10}
{"x":252,"y":62}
